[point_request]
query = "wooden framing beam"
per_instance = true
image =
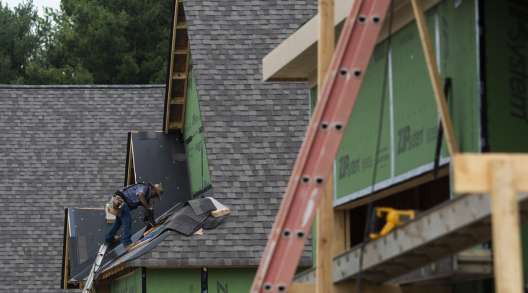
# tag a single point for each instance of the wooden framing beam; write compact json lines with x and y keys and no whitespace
{"x":503,"y":176}
{"x":66,"y":259}
{"x":325,"y":213}
{"x":178,"y":72}
{"x":432,"y":67}
{"x":301,"y":288}
{"x":171,"y":65}
{"x":350,"y":287}
{"x":409,"y":184}
{"x":296,"y":57}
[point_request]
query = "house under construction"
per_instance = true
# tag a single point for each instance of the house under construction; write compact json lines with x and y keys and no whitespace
{"x":419,"y":84}
{"x":413,"y":87}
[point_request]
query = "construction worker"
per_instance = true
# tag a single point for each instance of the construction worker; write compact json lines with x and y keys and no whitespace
{"x":127,"y":199}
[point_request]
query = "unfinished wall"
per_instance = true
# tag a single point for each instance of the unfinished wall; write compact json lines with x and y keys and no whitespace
{"x":130,"y":283}
{"x":229,"y":280}
{"x":507,"y":75}
{"x":410,"y":121}
{"x":506,"y":39}
{"x":194,"y":140}
{"x":173,"y":280}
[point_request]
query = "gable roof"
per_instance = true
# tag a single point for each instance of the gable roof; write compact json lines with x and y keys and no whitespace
{"x":253,"y":130}
{"x":60,"y":146}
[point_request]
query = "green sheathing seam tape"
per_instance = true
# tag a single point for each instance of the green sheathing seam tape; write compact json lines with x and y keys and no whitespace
{"x":194,"y":140}
{"x":410,"y":119}
{"x":128,"y":283}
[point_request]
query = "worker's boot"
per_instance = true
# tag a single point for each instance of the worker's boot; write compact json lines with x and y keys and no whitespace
{"x":116,"y":239}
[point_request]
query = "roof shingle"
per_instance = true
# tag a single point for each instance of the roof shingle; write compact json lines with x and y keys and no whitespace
{"x":60,"y":146}
{"x":253,"y":130}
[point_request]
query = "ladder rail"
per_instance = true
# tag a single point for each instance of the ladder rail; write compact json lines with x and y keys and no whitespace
{"x":314,"y":162}
{"x":88,"y":286}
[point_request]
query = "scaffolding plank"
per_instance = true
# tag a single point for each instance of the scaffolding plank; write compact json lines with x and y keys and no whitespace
{"x":449,"y":228}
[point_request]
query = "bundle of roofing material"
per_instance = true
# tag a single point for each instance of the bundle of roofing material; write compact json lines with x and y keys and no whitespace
{"x":184,"y":218}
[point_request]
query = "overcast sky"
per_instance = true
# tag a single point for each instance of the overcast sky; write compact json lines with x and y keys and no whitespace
{"x":38,"y":3}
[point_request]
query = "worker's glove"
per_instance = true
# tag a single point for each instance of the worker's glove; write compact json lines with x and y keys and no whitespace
{"x":117,"y":202}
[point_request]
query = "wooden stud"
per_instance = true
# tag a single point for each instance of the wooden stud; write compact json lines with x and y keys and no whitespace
{"x":301,"y":288}
{"x":130,"y":163}
{"x":503,"y":176}
{"x":175,"y":118}
{"x":471,"y":171}
{"x":66,"y":272}
{"x":325,"y":213}
{"x":507,"y":256}
{"x":341,"y":231}
{"x":432,"y":67}
{"x":171,"y":66}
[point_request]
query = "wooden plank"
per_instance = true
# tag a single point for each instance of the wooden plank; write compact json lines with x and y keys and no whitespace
{"x":301,"y":288}
{"x":176,"y":125}
{"x":325,"y":213}
{"x":66,"y":272}
{"x":507,"y":257}
{"x":432,"y":67}
{"x":181,"y":26}
{"x":295,"y":58}
{"x":181,"y":52}
{"x":177,"y":101}
{"x":341,"y":232}
{"x":179,"y":76}
{"x":171,"y":66}
{"x":471,"y":171}
{"x":350,"y":287}
{"x":130,"y":163}
{"x":411,"y":183}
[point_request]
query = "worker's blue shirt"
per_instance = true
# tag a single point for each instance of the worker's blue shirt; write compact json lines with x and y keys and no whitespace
{"x":131,"y":194}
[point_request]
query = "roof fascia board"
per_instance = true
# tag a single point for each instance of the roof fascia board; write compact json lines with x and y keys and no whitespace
{"x":296,"y":57}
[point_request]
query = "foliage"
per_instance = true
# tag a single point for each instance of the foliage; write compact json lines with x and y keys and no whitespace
{"x":87,"y":41}
{"x":18,"y":40}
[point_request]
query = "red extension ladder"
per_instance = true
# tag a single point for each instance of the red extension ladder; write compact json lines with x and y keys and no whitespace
{"x":314,"y":162}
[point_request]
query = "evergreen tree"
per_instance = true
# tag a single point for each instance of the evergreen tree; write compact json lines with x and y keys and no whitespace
{"x":18,"y":40}
{"x":87,"y":41}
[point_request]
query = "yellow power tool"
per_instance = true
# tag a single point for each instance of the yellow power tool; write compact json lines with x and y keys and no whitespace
{"x":393,"y":219}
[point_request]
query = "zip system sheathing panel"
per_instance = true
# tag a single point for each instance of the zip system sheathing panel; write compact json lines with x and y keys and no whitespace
{"x":314,"y":162}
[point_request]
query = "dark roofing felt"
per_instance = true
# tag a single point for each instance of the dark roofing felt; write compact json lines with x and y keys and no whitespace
{"x":252,"y":129}
{"x":60,"y":146}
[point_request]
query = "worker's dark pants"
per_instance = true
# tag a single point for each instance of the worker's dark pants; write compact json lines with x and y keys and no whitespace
{"x":124,"y":218}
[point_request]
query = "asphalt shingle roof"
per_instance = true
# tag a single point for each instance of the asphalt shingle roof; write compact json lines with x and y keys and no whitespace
{"x":253,"y":130}
{"x":60,"y":146}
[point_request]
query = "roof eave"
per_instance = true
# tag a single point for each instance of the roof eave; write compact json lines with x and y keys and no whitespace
{"x":296,"y":57}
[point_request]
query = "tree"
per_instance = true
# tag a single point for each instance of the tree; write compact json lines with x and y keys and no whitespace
{"x":87,"y":41}
{"x":18,"y":40}
{"x":115,"y":41}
